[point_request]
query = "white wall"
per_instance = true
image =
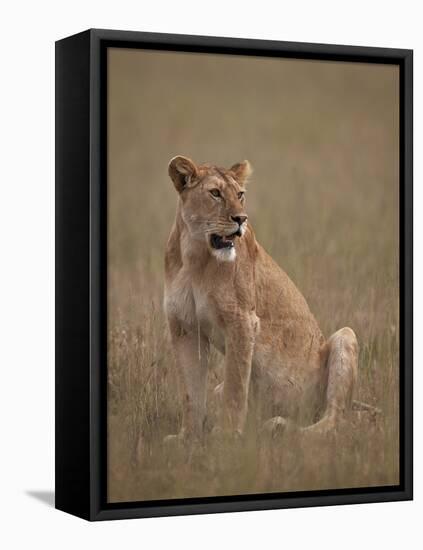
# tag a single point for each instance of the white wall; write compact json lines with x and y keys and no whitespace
{"x":27,"y":37}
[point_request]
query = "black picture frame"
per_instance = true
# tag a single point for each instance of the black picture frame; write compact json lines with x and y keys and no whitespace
{"x":81,"y":273}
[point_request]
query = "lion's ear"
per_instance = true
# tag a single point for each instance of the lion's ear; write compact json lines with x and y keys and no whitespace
{"x":182,"y":172}
{"x":242,"y":171}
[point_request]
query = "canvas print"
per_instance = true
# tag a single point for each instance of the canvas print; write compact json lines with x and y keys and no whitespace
{"x":253,"y":275}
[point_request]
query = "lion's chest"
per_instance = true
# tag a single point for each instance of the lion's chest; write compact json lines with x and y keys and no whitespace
{"x":179,"y":302}
{"x":191,"y":306}
{"x":204,"y":309}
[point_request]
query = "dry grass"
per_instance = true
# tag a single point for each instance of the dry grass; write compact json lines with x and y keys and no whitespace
{"x":323,"y":139}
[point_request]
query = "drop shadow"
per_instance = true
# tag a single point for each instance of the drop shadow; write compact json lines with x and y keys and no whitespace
{"x":46,"y":497}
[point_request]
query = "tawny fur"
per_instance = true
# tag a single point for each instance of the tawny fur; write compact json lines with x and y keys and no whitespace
{"x":244,"y":304}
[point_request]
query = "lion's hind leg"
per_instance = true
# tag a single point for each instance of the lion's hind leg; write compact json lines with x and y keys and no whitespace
{"x":342,"y":366}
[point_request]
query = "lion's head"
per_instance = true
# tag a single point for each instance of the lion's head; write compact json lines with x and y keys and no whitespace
{"x":212,"y":202}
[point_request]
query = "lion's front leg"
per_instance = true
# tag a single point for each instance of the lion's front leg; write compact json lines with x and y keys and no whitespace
{"x":191,"y":356}
{"x":239,"y":347}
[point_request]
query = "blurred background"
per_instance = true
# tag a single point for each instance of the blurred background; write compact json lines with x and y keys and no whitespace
{"x":323,"y":139}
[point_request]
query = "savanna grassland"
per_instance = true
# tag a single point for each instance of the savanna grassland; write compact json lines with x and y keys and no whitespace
{"x":323,"y":141}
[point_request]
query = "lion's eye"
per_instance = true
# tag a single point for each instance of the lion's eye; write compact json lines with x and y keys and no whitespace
{"x":215,"y":193}
{"x":241,"y":195}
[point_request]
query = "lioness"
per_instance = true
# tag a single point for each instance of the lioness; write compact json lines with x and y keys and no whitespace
{"x":222,"y":288}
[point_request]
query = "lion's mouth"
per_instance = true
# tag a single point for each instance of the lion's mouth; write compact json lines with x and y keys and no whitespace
{"x":224,"y":241}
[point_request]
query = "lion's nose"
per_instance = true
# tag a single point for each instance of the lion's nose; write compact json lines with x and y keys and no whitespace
{"x":239,"y":219}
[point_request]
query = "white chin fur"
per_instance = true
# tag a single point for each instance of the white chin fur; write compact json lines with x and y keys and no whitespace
{"x":224,"y":254}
